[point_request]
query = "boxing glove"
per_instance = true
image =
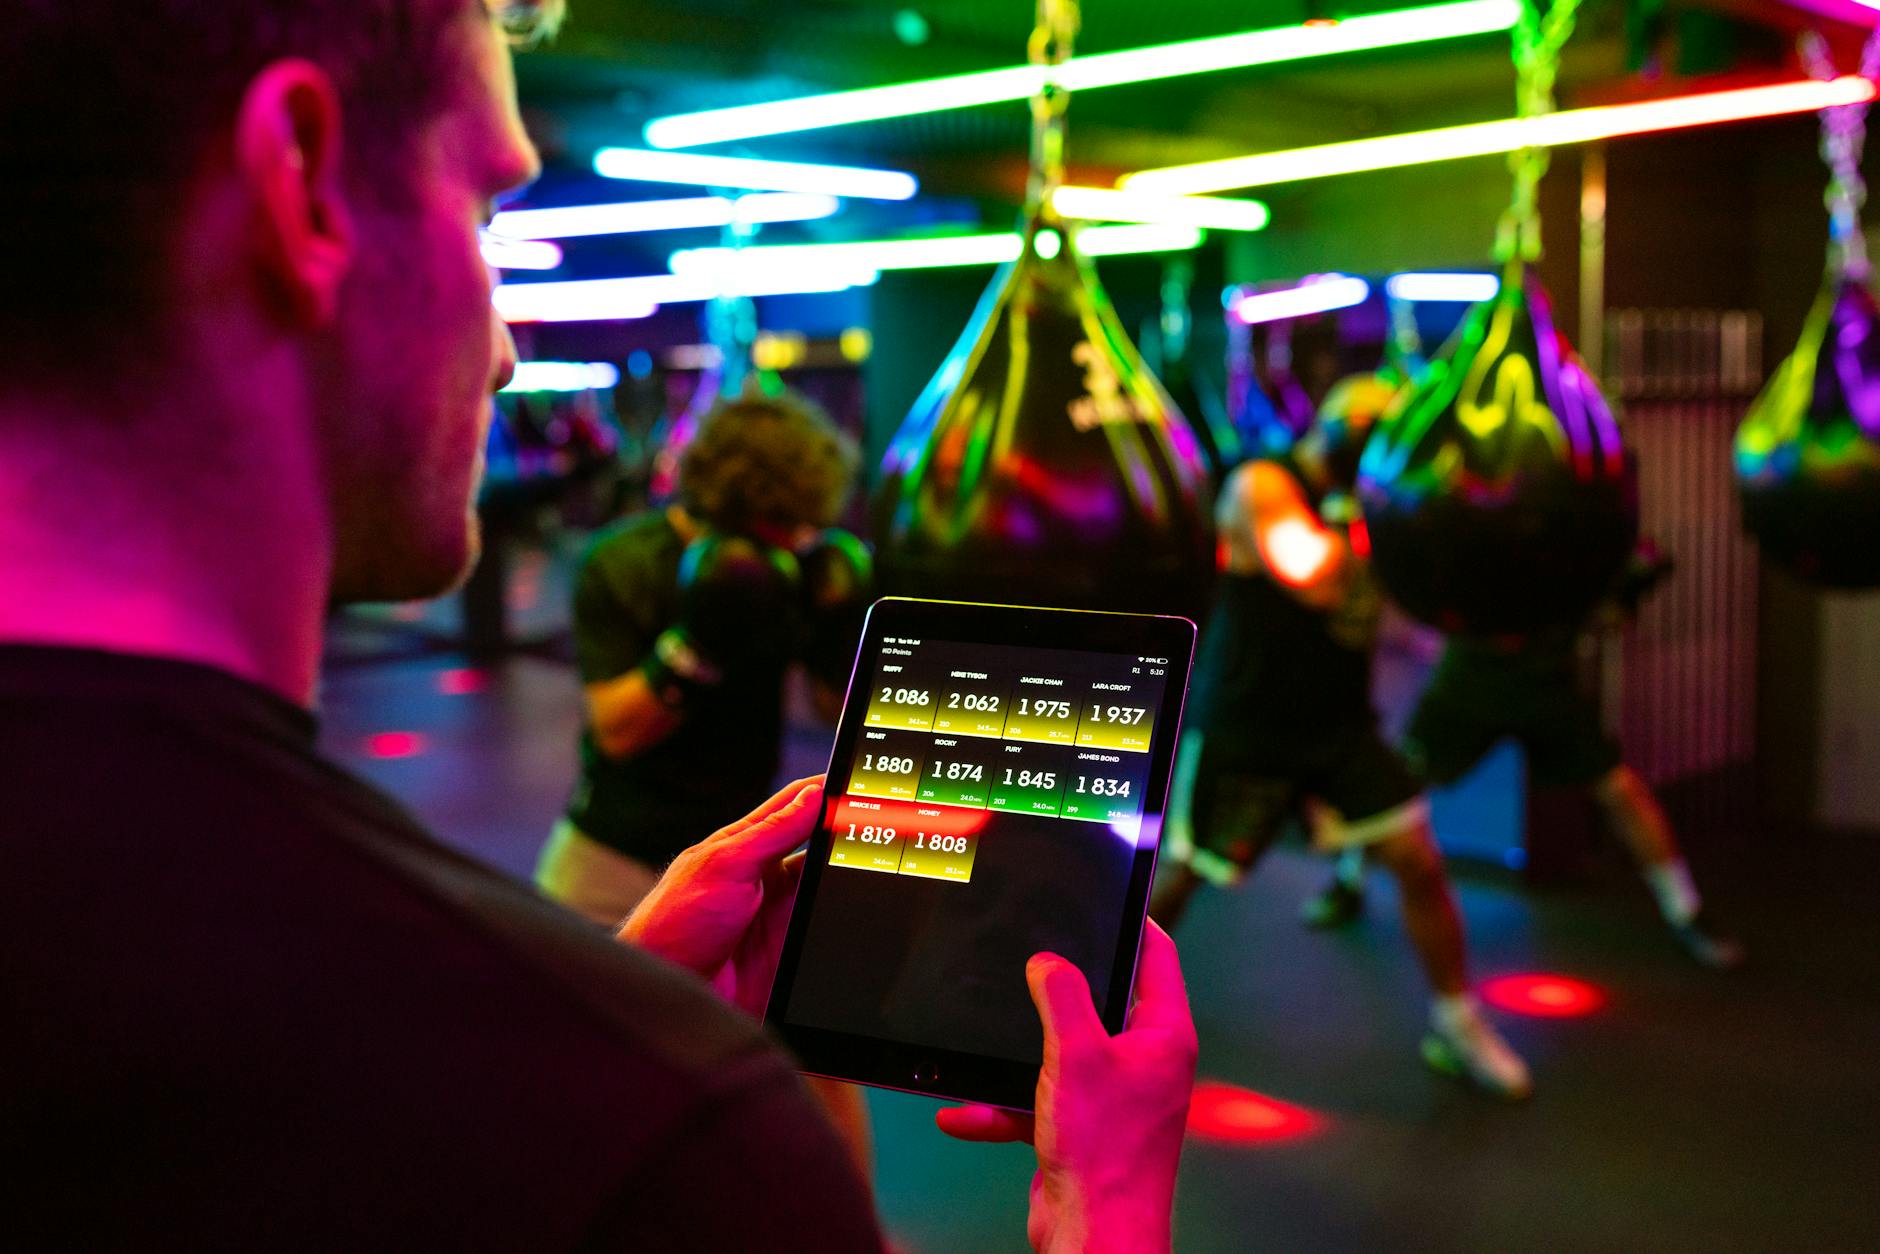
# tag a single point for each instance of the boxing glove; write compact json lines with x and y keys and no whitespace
{"x":837,"y":586}
{"x":737,"y":609}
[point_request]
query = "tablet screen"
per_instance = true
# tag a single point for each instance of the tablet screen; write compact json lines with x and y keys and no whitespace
{"x":993,"y":806}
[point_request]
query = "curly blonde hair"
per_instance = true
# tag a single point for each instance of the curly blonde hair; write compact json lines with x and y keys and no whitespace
{"x":763,"y":460}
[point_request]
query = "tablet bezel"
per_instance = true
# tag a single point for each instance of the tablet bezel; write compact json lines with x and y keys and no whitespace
{"x":944,"y":1073}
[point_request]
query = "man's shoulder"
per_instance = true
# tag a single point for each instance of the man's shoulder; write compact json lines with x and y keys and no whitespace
{"x":305,"y":870}
{"x":230,"y":955}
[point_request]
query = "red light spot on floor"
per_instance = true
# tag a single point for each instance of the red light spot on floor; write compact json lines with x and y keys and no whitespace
{"x":462,"y":681}
{"x":396,"y":745}
{"x":1544,"y":996}
{"x":408,"y":611}
{"x":1236,"y":1116}
{"x":1359,"y":537}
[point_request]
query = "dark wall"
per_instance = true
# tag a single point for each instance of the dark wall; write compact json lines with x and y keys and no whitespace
{"x":1732,"y":218}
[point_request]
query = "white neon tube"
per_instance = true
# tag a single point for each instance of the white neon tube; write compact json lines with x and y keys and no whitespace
{"x":631,"y":217}
{"x":773,"y":176}
{"x":1318,"y":295}
{"x":1431,"y":286}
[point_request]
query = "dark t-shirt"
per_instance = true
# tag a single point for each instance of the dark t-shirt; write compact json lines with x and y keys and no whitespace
{"x":1275,"y":678}
{"x":717,"y":765}
{"x":246,"y":1003}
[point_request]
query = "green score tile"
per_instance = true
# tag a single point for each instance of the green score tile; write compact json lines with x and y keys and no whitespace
{"x":940,"y":856}
{"x":887,"y":764}
{"x":902,"y":702}
{"x":1116,"y":723}
{"x":1030,"y":782}
{"x":866,"y":847}
{"x":1043,"y":714}
{"x":969,"y":709}
{"x":1105,"y":787}
{"x":957,"y":773}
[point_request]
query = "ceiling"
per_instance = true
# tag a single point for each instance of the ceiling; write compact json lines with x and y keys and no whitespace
{"x":620,"y":63}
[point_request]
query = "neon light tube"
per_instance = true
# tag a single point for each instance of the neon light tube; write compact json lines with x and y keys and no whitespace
{"x":1442,"y":286}
{"x":563,"y":376}
{"x":1480,"y":139}
{"x":1423,"y":24}
{"x":1102,"y":204}
{"x":900,"y":254}
{"x":517,"y":254}
{"x":1125,"y":241}
{"x":570,"y":221}
{"x":1316,"y":295}
{"x":928,"y":253}
{"x":604,"y":300}
{"x":768,"y":176}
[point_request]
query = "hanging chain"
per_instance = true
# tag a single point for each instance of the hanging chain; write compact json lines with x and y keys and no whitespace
{"x":1050,"y":46}
{"x":1538,"y":40}
{"x":1405,"y":346}
{"x":1843,"y":135}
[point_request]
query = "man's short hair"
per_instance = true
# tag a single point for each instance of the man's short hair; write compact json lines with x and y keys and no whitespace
{"x":763,"y":460}
{"x":107,"y":108}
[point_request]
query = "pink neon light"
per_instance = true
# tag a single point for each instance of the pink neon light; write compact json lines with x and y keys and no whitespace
{"x":397,"y":744}
{"x":462,"y":681}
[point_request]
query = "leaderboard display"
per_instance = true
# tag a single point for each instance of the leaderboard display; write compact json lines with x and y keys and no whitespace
{"x":956,"y":733}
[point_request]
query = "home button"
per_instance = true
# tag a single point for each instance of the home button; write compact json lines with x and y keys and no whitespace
{"x":926,"y":1075}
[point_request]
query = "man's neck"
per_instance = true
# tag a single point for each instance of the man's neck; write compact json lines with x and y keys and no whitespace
{"x":99,"y":551}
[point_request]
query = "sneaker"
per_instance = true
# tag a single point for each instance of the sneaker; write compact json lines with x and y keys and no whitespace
{"x":1340,"y":903}
{"x":1469,"y":1048}
{"x":1700,"y":940}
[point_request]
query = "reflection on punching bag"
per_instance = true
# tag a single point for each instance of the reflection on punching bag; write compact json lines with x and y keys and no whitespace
{"x":1808,"y":452}
{"x":1276,"y":410}
{"x":1044,"y":464}
{"x":1499,"y":494}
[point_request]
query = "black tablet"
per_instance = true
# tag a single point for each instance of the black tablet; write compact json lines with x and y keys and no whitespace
{"x":997,"y":788}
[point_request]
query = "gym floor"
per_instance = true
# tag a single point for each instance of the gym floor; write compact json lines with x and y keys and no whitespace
{"x":1688,"y":1111}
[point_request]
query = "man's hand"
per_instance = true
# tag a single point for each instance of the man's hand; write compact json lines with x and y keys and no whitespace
{"x":721,"y":908}
{"x":1111,"y":1109}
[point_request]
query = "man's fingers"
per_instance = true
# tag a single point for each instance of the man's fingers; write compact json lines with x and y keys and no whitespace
{"x":772,"y":830}
{"x":1062,"y":996}
{"x":983,"y":1123}
{"x":1161,"y":993}
{"x":780,"y":883}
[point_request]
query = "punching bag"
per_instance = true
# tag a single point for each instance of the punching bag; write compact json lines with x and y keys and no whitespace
{"x":1043,"y":464}
{"x":1349,"y":414}
{"x":1498,"y":492}
{"x":1808,"y":452}
{"x":1272,"y":409}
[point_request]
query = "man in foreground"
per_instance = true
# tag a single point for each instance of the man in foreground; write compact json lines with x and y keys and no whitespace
{"x":250,"y":1004}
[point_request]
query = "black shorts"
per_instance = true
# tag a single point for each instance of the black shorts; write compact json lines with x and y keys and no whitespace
{"x":1465,"y":711}
{"x":1241,"y":801}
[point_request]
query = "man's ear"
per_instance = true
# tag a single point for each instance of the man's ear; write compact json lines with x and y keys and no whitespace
{"x":288,"y":151}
